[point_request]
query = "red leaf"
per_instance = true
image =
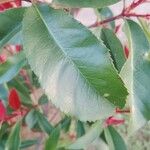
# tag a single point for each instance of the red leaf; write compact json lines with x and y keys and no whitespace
{"x":117,"y":28}
{"x":14,"y":99}
{"x":2,"y":111}
{"x":126,"y":50}
{"x":3,"y":58}
{"x":12,"y":4}
{"x":13,"y":49}
{"x":18,"y":48}
{"x":118,"y":110}
{"x":18,"y":2}
{"x":113,"y":121}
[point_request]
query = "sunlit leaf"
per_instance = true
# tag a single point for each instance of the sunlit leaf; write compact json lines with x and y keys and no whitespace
{"x":74,"y":67}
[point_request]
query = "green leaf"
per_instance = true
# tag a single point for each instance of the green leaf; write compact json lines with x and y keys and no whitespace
{"x":44,"y":124}
{"x":43,"y":100}
{"x":13,"y":69}
{"x":106,"y":13}
{"x":13,"y":141}
{"x":84,"y":141}
{"x":135,"y":74}
{"x":28,"y":143}
{"x":31,"y":118}
{"x":2,"y":145}
{"x":115,"y":47}
{"x":76,"y":56}
{"x":4,"y":67}
{"x":146,"y":28}
{"x":12,"y":72}
{"x":10,"y":25}
{"x":65,"y":123}
{"x":114,"y":140}
{"x":3,"y":91}
{"x":85,"y":3}
{"x":3,"y":130}
{"x":80,"y":129}
{"x":52,"y":141}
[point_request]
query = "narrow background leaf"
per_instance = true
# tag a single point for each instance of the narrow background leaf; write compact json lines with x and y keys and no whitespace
{"x":12,"y":69}
{"x":27,"y":143}
{"x":51,"y":143}
{"x":85,"y":140}
{"x":135,"y":74}
{"x":13,"y":142}
{"x":114,"y":140}
{"x":10,"y":24}
{"x":84,"y":3}
{"x":114,"y":45}
{"x":44,"y":123}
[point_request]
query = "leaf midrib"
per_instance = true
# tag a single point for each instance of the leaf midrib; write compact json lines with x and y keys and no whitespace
{"x":68,"y":58}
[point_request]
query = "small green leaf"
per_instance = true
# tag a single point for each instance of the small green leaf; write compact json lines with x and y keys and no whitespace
{"x":28,"y":143}
{"x":4,"y":67}
{"x":43,"y":100}
{"x":31,"y":118}
{"x":76,"y":56}
{"x":52,"y":141}
{"x":85,"y":140}
{"x":85,"y":3}
{"x":10,"y":25}
{"x":80,"y":129}
{"x":106,"y":13}
{"x":13,"y":142}
{"x":12,"y":72}
{"x":18,"y":62}
{"x":3,"y":130}
{"x":115,"y":47}
{"x":3,"y":91}
{"x":44,"y":124}
{"x":65,"y":123}
{"x":114,"y":140}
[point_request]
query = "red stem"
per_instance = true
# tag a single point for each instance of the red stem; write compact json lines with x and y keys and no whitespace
{"x":106,"y":21}
{"x":137,"y":15}
{"x":26,"y":78}
{"x":122,"y":111}
{"x":125,"y":13}
{"x":134,"y":5}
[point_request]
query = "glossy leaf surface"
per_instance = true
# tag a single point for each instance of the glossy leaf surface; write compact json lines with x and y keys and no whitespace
{"x":73,"y":67}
